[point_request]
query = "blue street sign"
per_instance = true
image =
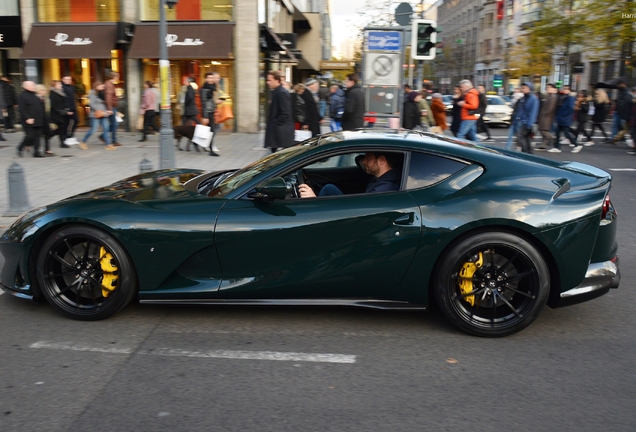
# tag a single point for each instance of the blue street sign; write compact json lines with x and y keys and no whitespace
{"x":384,"y":41}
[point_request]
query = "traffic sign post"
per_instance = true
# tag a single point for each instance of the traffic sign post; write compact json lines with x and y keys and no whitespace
{"x":497,"y":80}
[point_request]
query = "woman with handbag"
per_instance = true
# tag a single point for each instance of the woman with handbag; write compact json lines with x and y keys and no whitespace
{"x":99,"y":116}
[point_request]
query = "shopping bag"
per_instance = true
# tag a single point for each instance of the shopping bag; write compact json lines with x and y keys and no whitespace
{"x":436,"y":130}
{"x":394,"y":123}
{"x":140,"y":122}
{"x":202,"y":136}
{"x":302,"y":135}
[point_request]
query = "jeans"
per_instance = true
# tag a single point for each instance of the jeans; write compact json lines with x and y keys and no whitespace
{"x":523,"y":138}
{"x":468,"y":129}
{"x":616,"y":124}
{"x":567,"y":132}
{"x":322,"y":107}
{"x":95,"y":123}
{"x":335,"y":125}
{"x":512,"y":132}
{"x":329,"y":190}
{"x":113,"y":127}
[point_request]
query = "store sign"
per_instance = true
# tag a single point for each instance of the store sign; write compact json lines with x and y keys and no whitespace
{"x":62,"y":39}
{"x":10,"y":32}
{"x":173,"y":40}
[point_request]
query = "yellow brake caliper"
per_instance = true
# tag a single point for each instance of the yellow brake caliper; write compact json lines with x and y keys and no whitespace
{"x":465,"y":275}
{"x":109,"y":279}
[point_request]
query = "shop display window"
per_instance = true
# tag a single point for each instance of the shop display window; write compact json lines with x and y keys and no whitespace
{"x":190,"y":10}
{"x":78,"y":10}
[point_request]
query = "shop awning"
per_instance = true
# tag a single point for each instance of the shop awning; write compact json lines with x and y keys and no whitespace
{"x":71,"y":41}
{"x":185,"y":40}
{"x":270,"y":42}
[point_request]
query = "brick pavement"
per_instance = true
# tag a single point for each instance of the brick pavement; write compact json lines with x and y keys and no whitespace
{"x":72,"y":171}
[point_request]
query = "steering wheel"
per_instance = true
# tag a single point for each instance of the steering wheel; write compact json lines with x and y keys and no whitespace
{"x":300,"y":179}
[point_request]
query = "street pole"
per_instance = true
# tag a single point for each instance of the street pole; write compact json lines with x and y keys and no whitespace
{"x":166,"y":145}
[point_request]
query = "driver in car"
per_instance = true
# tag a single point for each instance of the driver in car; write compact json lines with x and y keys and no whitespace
{"x":379,"y":165}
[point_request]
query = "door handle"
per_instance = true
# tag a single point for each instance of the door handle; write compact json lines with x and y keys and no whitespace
{"x":405,"y":219}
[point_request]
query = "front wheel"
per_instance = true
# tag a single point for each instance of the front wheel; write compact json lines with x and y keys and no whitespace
{"x":85,"y":274}
{"x":492,"y":284}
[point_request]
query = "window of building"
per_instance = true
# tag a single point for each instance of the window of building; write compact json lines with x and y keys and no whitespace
{"x":610,"y":67}
{"x":489,"y":20}
{"x":188,"y":10}
{"x":595,"y":69}
{"x":78,"y":10}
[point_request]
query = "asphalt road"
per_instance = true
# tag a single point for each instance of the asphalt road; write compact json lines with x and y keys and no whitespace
{"x":160,"y":368}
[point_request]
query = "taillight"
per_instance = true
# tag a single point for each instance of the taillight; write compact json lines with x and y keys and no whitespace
{"x":606,"y":206}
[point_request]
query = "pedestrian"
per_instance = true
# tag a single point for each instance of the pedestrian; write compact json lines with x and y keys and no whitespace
{"x":426,"y":115}
{"x":3,"y":113}
{"x":470,"y":104}
{"x":57,"y":111}
{"x":601,"y":105}
{"x":623,"y":111}
{"x":31,"y":114}
{"x":582,"y":108}
{"x":564,"y":117}
{"x":483,"y":103}
{"x":439,"y":112}
{"x":299,"y":111}
{"x":512,"y":132}
{"x":70,"y":123}
{"x":411,"y":111}
{"x":527,"y":116}
{"x":312,"y":116}
{"x":190,"y":110}
{"x":209,"y":100}
{"x":546,"y":117}
{"x":323,"y":99}
{"x":336,"y":107}
{"x":42,"y":93}
{"x":10,"y":102}
{"x":99,"y":115}
{"x":280,"y":124}
{"x":112,"y":102}
{"x":456,"y":110}
{"x":353,"y":116}
{"x":148,"y":105}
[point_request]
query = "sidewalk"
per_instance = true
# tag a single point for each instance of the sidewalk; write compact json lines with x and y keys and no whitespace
{"x":72,"y":171}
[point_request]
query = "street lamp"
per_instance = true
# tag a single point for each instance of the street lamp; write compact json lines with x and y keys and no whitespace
{"x":166,"y":147}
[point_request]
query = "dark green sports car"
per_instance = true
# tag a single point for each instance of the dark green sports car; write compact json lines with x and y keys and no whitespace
{"x":372,"y":219}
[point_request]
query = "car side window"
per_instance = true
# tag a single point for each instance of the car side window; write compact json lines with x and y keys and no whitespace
{"x":427,"y":169}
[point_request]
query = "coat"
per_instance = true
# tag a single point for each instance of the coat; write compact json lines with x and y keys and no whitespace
{"x":565,"y":111}
{"x":312,"y":117}
{"x":298,"y":108}
{"x":69,"y":101}
{"x":280,"y":125}
{"x":600,"y":112}
{"x":548,"y":109}
{"x":471,"y":97}
{"x":528,"y":110}
{"x":190,"y":103}
{"x":410,"y":115}
{"x":439,"y":113}
{"x":353,"y":117}
{"x":96,"y":103}
{"x":428,"y":118}
{"x":31,"y":107}
{"x":583,"y":108}
{"x":456,"y":113}
{"x":337,"y":106}
{"x":624,"y":104}
{"x":57,"y":114}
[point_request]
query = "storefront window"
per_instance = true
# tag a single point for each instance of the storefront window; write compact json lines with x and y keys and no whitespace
{"x":78,"y":10}
{"x":190,"y":10}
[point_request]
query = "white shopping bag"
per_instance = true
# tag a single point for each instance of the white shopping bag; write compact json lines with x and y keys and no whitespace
{"x":202,"y":136}
{"x":302,"y":135}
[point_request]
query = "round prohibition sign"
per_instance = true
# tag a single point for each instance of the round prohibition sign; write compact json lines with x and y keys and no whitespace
{"x":382,"y":66}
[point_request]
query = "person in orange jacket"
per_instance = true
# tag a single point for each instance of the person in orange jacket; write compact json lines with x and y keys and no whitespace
{"x":468,"y":127}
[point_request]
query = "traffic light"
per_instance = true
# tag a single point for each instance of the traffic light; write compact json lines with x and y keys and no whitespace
{"x":423,"y":39}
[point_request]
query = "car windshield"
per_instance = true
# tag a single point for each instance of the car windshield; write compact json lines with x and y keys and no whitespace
{"x":495,"y":101}
{"x":236,"y":179}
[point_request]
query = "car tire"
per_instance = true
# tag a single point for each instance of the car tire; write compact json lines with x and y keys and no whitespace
{"x":85,"y":274}
{"x":492,"y":284}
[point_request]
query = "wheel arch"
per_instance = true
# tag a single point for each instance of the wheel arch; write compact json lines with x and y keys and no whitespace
{"x":555,"y":280}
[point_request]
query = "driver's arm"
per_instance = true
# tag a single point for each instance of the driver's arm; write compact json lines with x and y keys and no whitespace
{"x":306,"y":191}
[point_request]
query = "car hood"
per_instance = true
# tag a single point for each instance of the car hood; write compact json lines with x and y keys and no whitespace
{"x":493,"y":109}
{"x":154,"y":185}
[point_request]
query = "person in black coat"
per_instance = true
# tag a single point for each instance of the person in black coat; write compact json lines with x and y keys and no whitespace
{"x":57,"y":112}
{"x":190,"y":111}
{"x":280,"y":123}
{"x":31,"y":114}
{"x":411,"y":111}
{"x":3,"y":114}
{"x":601,"y":106}
{"x":456,"y":111}
{"x":312,"y":116}
{"x":10,"y":100}
{"x":353,"y":117}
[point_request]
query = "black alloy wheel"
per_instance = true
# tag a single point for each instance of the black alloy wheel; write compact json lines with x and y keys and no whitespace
{"x":85,"y":274}
{"x":492,"y":284}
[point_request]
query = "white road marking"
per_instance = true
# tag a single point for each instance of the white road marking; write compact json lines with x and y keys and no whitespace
{"x":224,"y":354}
{"x":622,"y":169}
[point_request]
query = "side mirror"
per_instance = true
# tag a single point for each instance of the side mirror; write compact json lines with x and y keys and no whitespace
{"x":274,"y":188}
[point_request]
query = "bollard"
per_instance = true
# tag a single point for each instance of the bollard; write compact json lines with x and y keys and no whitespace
{"x":145,"y":165}
{"x":18,"y":199}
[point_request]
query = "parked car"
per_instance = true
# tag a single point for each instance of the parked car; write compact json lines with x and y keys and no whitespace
{"x":498,"y":112}
{"x":491,"y":235}
{"x":447,"y":100}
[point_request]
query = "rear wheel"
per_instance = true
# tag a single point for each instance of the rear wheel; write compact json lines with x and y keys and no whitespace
{"x":492,"y":284}
{"x":85,"y":274}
